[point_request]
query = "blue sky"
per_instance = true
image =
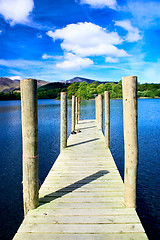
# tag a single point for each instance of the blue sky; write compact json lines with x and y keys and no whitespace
{"x":57,"y":40}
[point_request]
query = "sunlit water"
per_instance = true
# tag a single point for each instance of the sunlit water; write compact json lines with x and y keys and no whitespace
{"x":148,"y":192}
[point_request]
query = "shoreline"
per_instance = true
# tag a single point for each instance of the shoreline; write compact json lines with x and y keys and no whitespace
{"x":2,"y":100}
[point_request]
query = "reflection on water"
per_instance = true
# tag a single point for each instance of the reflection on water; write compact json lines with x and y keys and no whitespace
{"x":148,"y":193}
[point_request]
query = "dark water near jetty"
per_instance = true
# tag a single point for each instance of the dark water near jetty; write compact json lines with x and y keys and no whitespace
{"x":148,"y":192}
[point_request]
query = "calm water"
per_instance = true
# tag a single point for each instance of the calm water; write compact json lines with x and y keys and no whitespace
{"x":148,"y":193}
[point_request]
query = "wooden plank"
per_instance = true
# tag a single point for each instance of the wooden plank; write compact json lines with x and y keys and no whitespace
{"x":86,"y":205}
{"x":81,"y":199}
{"x":102,"y":186}
{"x":71,"y":178}
{"x":82,"y":219}
{"x":68,"y":190}
{"x":82,"y":228}
{"x":83,"y":212}
{"x":73,"y":236}
{"x":83,"y":194}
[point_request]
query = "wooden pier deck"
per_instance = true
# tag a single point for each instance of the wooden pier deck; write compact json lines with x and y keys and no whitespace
{"x":82,"y":196}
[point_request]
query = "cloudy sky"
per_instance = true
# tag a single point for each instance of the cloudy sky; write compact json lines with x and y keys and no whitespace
{"x":99,"y":39}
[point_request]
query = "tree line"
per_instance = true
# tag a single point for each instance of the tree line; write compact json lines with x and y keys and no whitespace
{"x":84,"y":90}
{"x":89,"y":91}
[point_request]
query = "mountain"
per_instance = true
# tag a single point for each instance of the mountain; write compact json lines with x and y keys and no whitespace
{"x":80,"y":79}
{"x":8,"y":85}
{"x":53,"y":85}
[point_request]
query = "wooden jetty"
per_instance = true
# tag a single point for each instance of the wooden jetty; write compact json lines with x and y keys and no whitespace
{"x":83,"y":195}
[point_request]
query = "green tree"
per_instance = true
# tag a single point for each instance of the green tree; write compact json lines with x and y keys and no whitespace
{"x":72,"y":89}
{"x":118,"y":89}
{"x":120,"y":84}
{"x":139,"y":94}
{"x":148,"y":93}
{"x":92,"y":89}
{"x":112,"y":94}
{"x":157,"y":93}
{"x":100,"y":88}
{"x":83,"y":91}
{"x":108,"y":86}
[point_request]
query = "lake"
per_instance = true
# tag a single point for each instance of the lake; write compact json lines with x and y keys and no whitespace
{"x":148,"y":188}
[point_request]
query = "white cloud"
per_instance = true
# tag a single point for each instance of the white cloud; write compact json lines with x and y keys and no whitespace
{"x":99,"y":50}
{"x":151,"y":72}
{"x":38,"y":69}
{"x":15,"y":78}
{"x":133,"y":32}
{"x":74,"y":62}
{"x":145,"y":12}
{"x":87,"y":39}
{"x":80,"y":32}
{"x":111,"y":60}
{"x":100,"y":3}
{"x":20,"y":63}
{"x":46,"y":56}
{"x":16,"y":11}
{"x":0,"y":31}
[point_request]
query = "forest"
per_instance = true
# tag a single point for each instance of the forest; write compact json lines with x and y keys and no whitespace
{"x":84,"y":90}
{"x":89,"y":91}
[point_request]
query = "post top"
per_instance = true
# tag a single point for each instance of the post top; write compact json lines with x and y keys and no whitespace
{"x":29,"y":79}
{"x":129,"y":77}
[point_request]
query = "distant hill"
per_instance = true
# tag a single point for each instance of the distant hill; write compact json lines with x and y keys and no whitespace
{"x":41,"y":83}
{"x":80,"y":79}
{"x":8,"y":85}
{"x":53,"y":85}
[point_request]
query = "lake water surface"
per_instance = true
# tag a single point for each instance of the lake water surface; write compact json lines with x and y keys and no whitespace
{"x":148,"y":189}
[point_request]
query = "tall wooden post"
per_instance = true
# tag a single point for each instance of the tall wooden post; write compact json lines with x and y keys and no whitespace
{"x":107,"y":118}
{"x":76,"y":110}
{"x":73,"y":113}
{"x":30,"y":143}
{"x":96,"y":108}
{"x":63,"y":120}
{"x":130,"y":139}
{"x":100,"y":106}
{"x":79,"y":108}
{"x":98,"y":111}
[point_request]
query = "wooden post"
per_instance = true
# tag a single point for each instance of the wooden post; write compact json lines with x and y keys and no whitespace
{"x":96,"y":108}
{"x":73,"y":113}
{"x":79,"y":108}
{"x":100,"y":111}
{"x":130,"y":139}
{"x":30,"y":143}
{"x":107,"y":117}
{"x":76,"y":110}
{"x":63,"y":120}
